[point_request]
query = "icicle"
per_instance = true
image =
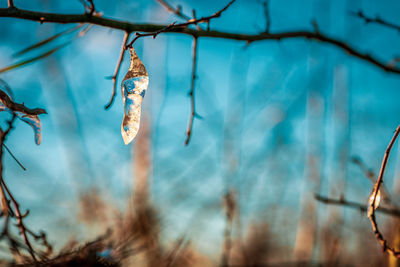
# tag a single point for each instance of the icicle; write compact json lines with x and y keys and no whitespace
{"x":34,"y":122}
{"x":373,"y":199}
{"x":133,"y":89}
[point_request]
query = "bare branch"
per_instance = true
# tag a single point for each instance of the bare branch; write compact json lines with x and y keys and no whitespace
{"x":131,"y":27}
{"x":4,"y":190}
{"x":191,"y":94}
{"x":19,"y":107}
{"x":376,"y":20}
{"x":89,"y":6}
{"x":116,"y":72}
{"x":355,"y":205}
{"x":20,"y":222}
{"x":267,"y":16}
{"x":371,"y":176}
{"x":374,"y":194}
{"x":11,"y":4}
{"x":177,"y":11}
{"x":173,"y":25}
{"x":154,"y":34}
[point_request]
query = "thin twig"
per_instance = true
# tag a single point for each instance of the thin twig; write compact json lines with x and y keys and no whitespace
{"x":267,"y":16}
{"x":191,"y":94}
{"x":3,"y":185}
{"x":92,"y":9}
{"x":355,"y":205}
{"x":132,"y":27}
{"x":372,"y":177}
{"x":374,"y":194}
{"x":376,"y":20}
{"x":153,"y":34}
{"x":174,"y":25}
{"x":11,"y":4}
{"x":12,"y":155}
{"x":116,"y":72}
{"x":89,"y":8}
{"x":6,"y":100}
{"x":10,"y":206}
{"x":177,"y":11}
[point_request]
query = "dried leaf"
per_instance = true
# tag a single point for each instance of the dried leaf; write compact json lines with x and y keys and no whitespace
{"x":133,"y":89}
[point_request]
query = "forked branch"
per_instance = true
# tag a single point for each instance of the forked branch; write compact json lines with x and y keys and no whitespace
{"x":372,"y":204}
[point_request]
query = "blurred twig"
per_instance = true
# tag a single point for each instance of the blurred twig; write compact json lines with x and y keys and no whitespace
{"x":11,"y":4}
{"x":30,"y":60}
{"x":177,"y":11}
{"x":47,"y":40}
{"x":355,"y":205}
{"x":114,"y":77}
{"x":230,"y":210}
{"x":371,"y":176}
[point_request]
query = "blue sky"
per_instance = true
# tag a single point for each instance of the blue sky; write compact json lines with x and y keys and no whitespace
{"x":265,"y":107}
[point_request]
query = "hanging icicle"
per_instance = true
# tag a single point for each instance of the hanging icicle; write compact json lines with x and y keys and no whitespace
{"x":133,"y":89}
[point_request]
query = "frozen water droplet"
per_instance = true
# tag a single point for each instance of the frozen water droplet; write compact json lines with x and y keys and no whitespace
{"x":133,"y":89}
{"x":376,"y":200}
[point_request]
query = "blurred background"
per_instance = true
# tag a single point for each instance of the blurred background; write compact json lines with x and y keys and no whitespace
{"x":281,"y":122}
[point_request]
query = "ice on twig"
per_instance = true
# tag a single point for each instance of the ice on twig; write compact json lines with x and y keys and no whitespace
{"x":133,"y":89}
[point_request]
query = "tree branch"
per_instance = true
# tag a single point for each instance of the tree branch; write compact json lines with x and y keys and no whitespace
{"x":11,"y":3}
{"x":191,"y":94}
{"x":132,"y":27}
{"x":116,"y":72}
{"x":173,"y":25}
{"x":6,"y":100}
{"x":355,"y":205}
{"x":267,"y":16}
{"x":374,"y":195}
{"x":376,"y":20}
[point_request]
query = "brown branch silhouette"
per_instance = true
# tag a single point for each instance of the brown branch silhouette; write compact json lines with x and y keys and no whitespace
{"x":376,"y":20}
{"x":191,"y":94}
{"x":174,"y":25}
{"x":114,"y":77}
{"x":355,"y":205}
{"x":6,"y":100}
{"x":374,"y":194}
{"x":129,"y":27}
{"x":10,"y":207}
